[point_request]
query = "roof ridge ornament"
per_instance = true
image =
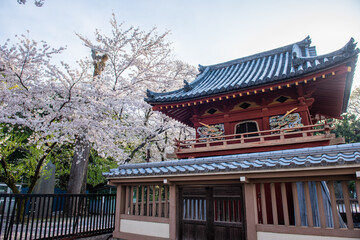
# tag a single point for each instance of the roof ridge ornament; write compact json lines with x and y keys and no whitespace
{"x":349,"y":48}
{"x":187,"y":86}
{"x":150,"y":94}
{"x":201,"y":68}
{"x":296,"y":56}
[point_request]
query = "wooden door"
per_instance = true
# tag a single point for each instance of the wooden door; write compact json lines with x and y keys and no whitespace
{"x":212,"y":212}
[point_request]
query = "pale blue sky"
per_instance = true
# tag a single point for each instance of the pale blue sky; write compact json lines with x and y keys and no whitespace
{"x":202,"y":31}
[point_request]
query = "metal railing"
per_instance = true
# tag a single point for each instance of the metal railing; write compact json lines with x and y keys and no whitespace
{"x":49,"y":216}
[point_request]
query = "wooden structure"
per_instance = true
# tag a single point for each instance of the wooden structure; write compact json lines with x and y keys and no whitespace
{"x":264,"y":163}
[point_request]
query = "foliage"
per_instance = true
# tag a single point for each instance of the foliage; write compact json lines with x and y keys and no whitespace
{"x":98,"y":165}
{"x":349,"y":126}
{"x":61,"y":156}
{"x":20,"y":160}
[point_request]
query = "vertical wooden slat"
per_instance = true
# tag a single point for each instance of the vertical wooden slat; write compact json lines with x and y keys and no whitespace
{"x":142,"y":200}
{"x":153,"y":201}
{"x":198,"y":209}
{"x":210,"y":231}
{"x":273,"y":204}
{"x":166,"y":202}
{"x":263,"y":203}
{"x":218,"y":206}
{"x":308,"y":205}
{"x":172,"y":211}
{"x":285,"y":204}
{"x":148,"y":200}
{"x":321,"y":205}
{"x":228,"y":206}
{"x":160,"y":201}
{"x":234,"y":215}
{"x":251,"y":212}
{"x":296,"y":205}
{"x":137,"y":201}
{"x":254,"y":196}
{"x":131,"y":200}
{"x":350,"y":223}
{"x":357,"y":185}
{"x":223,"y":205}
{"x":335,"y":213}
{"x":127,"y":196}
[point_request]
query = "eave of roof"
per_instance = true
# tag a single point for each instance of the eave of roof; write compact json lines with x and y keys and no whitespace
{"x":264,"y":68}
{"x":335,"y":155}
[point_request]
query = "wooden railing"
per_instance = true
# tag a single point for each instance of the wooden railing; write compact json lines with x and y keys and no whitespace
{"x":147,"y":200}
{"x":307,"y":133}
{"x":323,"y":208}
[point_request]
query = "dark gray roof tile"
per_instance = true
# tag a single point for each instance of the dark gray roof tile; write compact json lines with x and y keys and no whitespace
{"x":265,"y":67}
{"x":293,"y":158}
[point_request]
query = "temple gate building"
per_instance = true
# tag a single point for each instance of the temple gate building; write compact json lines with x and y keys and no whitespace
{"x":264,"y":163}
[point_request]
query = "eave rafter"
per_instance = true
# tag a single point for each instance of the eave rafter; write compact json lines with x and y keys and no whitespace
{"x":178,"y":110}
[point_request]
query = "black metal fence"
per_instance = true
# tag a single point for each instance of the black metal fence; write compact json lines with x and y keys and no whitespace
{"x":55,"y":216}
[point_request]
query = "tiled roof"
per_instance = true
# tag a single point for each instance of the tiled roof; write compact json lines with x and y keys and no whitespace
{"x":263,"y":68}
{"x":294,"y":158}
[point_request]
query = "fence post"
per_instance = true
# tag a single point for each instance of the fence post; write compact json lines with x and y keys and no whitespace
{"x":251,"y":213}
{"x":172,"y":211}
{"x":120,"y":206}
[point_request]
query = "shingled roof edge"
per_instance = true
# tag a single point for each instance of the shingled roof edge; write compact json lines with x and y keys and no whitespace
{"x":259,"y":155}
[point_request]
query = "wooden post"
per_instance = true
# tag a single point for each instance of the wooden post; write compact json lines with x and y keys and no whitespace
{"x":321,"y":205}
{"x":120,"y":204}
{"x":250,"y":210}
{"x":172,"y":214}
{"x":282,"y":135}
{"x":148,"y":200}
{"x":137,"y":200}
{"x":160,"y":201}
{"x":333,"y":205}
{"x":166,"y":210}
{"x":127,"y":197}
{"x":296,"y":205}
{"x":357,"y":185}
{"x":153,"y":201}
{"x":273,"y":203}
{"x":210,"y":214}
{"x":179,"y":212}
{"x":263,"y":203}
{"x":346,"y":196}
{"x":308,"y":205}
{"x":131,"y":200}
{"x":285,"y":204}
{"x":142,"y":200}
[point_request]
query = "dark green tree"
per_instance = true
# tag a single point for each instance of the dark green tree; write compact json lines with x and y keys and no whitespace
{"x":349,"y":126}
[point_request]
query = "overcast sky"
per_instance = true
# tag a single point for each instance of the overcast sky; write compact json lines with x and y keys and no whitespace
{"x":202,"y":31}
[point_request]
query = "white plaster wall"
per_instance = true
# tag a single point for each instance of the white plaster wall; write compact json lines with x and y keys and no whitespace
{"x":145,"y":228}
{"x":283,"y":236}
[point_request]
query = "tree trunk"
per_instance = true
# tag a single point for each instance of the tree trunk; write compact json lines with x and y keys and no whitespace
{"x":79,"y":165}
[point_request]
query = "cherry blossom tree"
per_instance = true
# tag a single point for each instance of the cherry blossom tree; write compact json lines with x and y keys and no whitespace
{"x":99,"y":104}
{"x":139,"y":60}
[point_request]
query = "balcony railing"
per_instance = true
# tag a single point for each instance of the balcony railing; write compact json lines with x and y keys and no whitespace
{"x":267,"y":138}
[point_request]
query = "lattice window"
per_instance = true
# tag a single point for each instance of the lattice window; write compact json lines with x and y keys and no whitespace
{"x":147,"y":200}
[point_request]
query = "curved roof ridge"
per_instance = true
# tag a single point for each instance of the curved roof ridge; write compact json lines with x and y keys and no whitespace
{"x":350,"y":47}
{"x":305,"y":42}
{"x":150,"y":94}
